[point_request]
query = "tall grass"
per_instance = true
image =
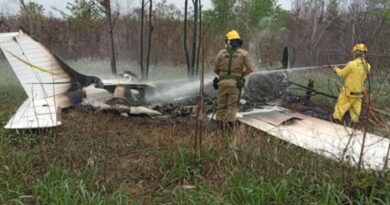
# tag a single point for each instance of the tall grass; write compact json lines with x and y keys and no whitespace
{"x":22,"y":183}
{"x":246,"y":168}
{"x":58,"y":186}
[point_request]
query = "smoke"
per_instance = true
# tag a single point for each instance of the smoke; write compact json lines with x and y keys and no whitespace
{"x":167,"y":89}
{"x":176,"y":89}
{"x":100,"y":67}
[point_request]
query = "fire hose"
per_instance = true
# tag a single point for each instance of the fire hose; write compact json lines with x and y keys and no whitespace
{"x":366,"y":97}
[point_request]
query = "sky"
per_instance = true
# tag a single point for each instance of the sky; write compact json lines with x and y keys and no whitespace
{"x":10,"y":7}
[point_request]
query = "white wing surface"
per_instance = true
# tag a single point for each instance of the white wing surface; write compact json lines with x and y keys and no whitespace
{"x":326,"y":138}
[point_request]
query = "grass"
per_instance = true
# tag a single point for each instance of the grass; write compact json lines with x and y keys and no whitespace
{"x":27,"y":178}
{"x":151,"y":162}
{"x":101,"y":158}
{"x":58,"y":186}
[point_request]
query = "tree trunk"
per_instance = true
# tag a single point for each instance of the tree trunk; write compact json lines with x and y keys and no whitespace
{"x":113,"y":54}
{"x":313,"y":35}
{"x":141,"y":60}
{"x":200,"y":38}
{"x":194,"y":37}
{"x":185,"y":38}
{"x":353,"y":40}
{"x":30,"y":23}
{"x":149,"y":39}
{"x":107,"y":5}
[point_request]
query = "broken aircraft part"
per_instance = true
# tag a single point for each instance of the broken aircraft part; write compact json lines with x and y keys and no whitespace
{"x":265,"y":88}
{"x":322,"y":137}
{"x":51,"y":85}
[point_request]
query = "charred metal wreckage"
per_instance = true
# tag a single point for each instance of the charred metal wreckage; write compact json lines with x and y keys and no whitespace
{"x":51,"y":85}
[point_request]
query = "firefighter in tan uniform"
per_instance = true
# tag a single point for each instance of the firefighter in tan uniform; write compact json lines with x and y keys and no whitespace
{"x":354,"y":75}
{"x":231,"y":65}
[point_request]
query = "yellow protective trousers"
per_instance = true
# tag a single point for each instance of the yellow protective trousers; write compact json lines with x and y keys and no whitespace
{"x":227,"y":103}
{"x":345,"y":103}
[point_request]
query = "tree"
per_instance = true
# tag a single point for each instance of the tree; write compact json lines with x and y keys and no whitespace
{"x":145,"y":70}
{"x":255,"y":14}
{"x":192,"y":61}
{"x":223,"y":13}
{"x":90,"y":13}
{"x":185,"y":30}
{"x":149,"y":38}
{"x":260,"y":9}
{"x":83,"y":13}
{"x":195,"y":37}
{"x":333,"y":9}
{"x":32,"y":14}
{"x":111,"y":24}
{"x":141,"y":60}
{"x":200,"y":39}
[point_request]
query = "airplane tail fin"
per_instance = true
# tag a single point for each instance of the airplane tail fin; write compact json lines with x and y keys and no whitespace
{"x":35,"y":67}
{"x":48,"y":85}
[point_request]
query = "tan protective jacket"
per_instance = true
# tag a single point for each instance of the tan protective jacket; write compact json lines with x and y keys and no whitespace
{"x":241,"y":64}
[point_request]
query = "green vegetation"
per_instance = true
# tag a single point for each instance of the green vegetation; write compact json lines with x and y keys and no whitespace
{"x":21,"y":183}
{"x":32,"y":10}
{"x":82,"y":13}
{"x":258,"y":170}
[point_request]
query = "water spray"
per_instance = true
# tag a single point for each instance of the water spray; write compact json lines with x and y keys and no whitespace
{"x":180,"y":88}
{"x":293,"y":69}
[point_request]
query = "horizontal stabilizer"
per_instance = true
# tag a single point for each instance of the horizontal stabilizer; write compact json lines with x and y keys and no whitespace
{"x":35,"y":114}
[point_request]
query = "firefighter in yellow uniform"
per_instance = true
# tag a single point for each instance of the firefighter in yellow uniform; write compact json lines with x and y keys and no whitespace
{"x":354,"y":75}
{"x":232,"y":64}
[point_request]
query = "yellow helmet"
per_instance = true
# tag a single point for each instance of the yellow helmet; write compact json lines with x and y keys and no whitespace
{"x":233,"y":34}
{"x":360,"y":47}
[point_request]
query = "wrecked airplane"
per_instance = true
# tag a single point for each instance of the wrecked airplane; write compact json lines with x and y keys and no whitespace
{"x":51,"y":85}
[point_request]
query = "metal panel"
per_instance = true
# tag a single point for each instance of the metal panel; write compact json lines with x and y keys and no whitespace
{"x":274,"y":117}
{"x":35,"y":67}
{"x":35,"y":114}
{"x":326,"y":138}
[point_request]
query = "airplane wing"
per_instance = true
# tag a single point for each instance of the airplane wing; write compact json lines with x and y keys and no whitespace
{"x":35,"y":114}
{"x":322,"y":137}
